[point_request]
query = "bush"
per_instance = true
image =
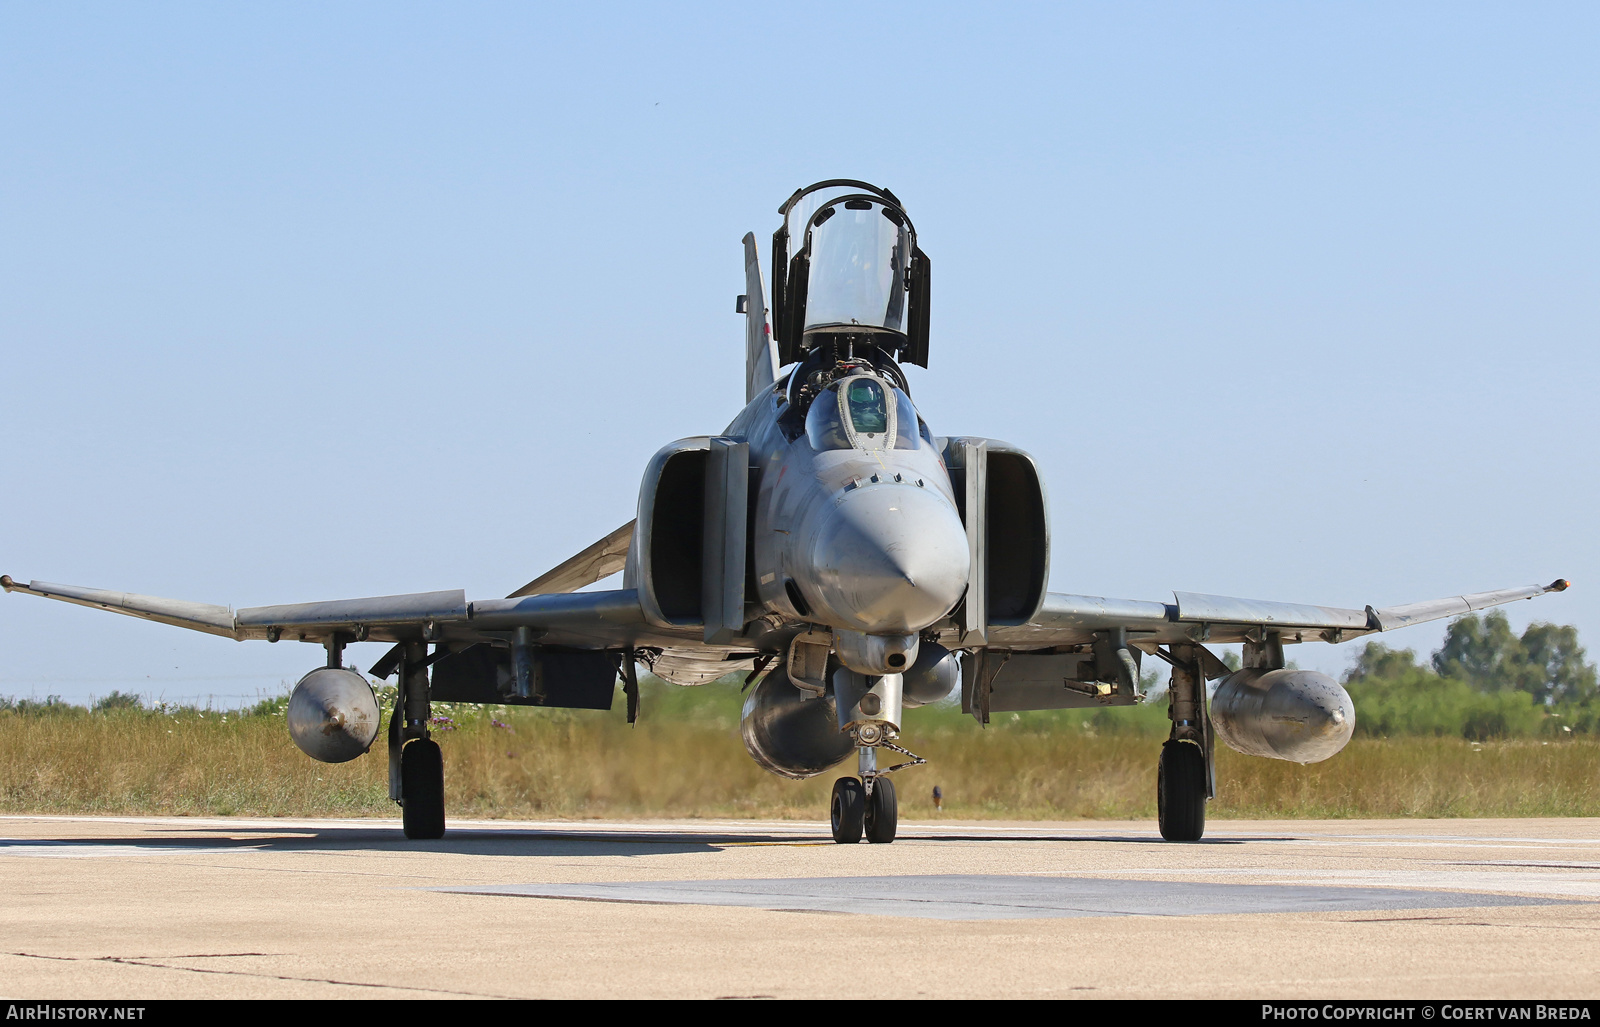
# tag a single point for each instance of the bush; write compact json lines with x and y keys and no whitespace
{"x":51,"y":704}
{"x":118,"y":701}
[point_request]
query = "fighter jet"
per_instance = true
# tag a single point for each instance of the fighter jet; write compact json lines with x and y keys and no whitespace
{"x":837,"y":553}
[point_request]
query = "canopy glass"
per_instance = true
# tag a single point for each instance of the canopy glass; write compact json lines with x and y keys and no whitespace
{"x":859,"y":253}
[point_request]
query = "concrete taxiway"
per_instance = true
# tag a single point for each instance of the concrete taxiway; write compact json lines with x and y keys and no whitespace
{"x":136,"y":907}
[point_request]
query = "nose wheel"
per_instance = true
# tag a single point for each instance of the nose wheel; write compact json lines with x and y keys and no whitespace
{"x":848,"y":810}
{"x":883,"y":812}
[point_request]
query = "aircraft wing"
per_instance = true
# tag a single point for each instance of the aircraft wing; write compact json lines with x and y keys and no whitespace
{"x":213,"y":620}
{"x":380,"y":617}
{"x":1193,"y":617}
{"x":586,"y":620}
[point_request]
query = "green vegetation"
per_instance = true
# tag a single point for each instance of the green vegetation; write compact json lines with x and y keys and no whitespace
{"x":1483,"y":683}
{"x":1494,"y":725}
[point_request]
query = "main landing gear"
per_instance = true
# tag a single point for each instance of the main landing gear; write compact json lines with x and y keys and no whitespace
{"x":1181,"y":791}
{"x":867,"y":805}
{"x":1185,"y":777}
{"x":416,"y":766}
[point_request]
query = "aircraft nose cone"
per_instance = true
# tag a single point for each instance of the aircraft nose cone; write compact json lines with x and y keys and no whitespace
{"x":890,"y":559}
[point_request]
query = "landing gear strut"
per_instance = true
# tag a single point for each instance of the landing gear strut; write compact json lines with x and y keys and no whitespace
{"x":1185,"y":777}
{"x":416,"y":766}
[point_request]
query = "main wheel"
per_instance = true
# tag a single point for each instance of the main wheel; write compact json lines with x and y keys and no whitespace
{"x":847,"y":810}
{"x":422,"y":789}
{"x":883,"y":813}
{"x":1181,"y":792}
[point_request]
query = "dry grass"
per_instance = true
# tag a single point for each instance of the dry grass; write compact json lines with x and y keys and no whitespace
{"x":685,"y":760}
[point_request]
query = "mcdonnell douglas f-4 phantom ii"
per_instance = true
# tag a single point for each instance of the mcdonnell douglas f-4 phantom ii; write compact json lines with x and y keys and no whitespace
{"x":829,"y":538}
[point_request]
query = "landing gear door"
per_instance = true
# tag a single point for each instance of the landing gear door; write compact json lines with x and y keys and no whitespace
{"x":723,"y":543}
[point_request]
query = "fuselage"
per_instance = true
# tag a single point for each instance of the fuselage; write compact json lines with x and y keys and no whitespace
{"x":852,"y":528}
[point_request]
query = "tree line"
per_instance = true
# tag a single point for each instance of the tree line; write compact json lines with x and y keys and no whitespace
{"x":1483,"y":682}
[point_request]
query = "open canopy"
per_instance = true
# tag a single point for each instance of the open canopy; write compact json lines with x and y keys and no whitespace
{"x":846,"y":262}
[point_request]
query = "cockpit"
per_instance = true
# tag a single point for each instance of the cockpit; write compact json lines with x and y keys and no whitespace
{"x":864,"y":412}
{"x":848,"y":276}
{"x":849,"y":305}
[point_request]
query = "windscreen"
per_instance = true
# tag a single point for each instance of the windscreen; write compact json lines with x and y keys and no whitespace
{"x":907,"y":425}
{"x":858,"y":264}
{"x":869,"y":412}
{"x":825,"y":424}
{"x":858,"y":413}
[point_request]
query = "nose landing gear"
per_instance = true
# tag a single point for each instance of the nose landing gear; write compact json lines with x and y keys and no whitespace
{"x":868,"y":804}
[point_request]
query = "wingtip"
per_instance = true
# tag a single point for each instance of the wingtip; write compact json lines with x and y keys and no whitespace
{"x":1558,"y":585}
{"x":6,"y":582}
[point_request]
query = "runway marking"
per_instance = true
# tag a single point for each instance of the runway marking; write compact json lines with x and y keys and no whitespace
{"x":56,"y":849}
{"x":1522,"y":863}
{"x":1580,"y":887}
{"x":1008,"y":897}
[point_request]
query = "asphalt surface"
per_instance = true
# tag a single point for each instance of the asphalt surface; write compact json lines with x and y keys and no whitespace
{"x":124,"y":907}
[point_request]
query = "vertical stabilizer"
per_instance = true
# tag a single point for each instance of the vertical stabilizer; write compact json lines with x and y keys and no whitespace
{"x":760,"y":354}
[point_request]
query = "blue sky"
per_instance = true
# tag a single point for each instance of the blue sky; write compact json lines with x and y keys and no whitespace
{"x":1292,"y":301}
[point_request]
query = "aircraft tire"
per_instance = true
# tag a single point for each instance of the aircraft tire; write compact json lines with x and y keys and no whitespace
{"x":883,"y":812}
{"x":422,"y":788}
{"x":847,"y":810}
{"x":1181,"y":792}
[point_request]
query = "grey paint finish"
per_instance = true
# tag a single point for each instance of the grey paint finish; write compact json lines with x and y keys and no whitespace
{"x":1296,"y":715}
{"x":212,"y":619}
{"x":1437,"y":609}
{"x":1073,"y":619}
{"x":761,"y":353}
{"x":416,"y":608}
{"x":829,"y":508}
{"x":975,"y":897}
{"x":722,"y":545}
{"x":1193,"y":606}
